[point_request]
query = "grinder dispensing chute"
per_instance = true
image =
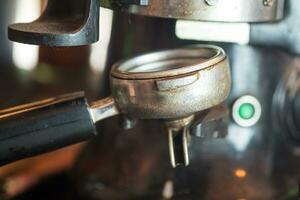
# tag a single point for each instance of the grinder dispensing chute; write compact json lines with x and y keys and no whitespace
{"x":74,"y":23}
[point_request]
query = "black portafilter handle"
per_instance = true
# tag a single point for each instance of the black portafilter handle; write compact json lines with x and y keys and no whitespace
{"x":43,"y":126}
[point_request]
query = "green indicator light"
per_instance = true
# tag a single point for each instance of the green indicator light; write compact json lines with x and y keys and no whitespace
{"x":246,"y":111}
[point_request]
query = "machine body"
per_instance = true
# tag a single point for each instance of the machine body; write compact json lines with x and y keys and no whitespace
{"x":173,"y":97}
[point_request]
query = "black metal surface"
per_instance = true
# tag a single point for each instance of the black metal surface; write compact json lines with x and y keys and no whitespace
{"x":285,"y":34}
{"x":63,"y":23}
{"x":44,"y":127}
{"x":212,"y":123}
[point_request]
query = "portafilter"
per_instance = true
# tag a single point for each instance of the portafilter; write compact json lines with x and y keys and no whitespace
{"x":170,"y":85}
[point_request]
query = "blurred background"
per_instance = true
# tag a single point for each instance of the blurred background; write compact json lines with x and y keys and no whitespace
{"x":29,"y":73}
{"x":257,"y":162}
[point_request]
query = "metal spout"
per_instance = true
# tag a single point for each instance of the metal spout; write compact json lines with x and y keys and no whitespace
{"x":179,"y":139}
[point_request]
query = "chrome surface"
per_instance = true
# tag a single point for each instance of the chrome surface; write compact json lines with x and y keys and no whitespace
{"x":179,"y":139}
{"x":222,"y":10}
{"x":168,"y":63}
{"x":168,"y":85}
{"x":176,"y":92}
{"x":182,"y":135}
{"x":103,"y":109}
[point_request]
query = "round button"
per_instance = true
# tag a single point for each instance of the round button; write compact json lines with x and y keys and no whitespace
{"x":246,"y":111}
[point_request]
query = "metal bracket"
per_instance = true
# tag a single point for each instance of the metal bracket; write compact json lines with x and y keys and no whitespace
{"x":212,"y":123}
{"x":63,"y":23}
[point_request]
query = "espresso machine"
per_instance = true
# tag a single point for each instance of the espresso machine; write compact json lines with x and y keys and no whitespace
{"x":199,"y":100}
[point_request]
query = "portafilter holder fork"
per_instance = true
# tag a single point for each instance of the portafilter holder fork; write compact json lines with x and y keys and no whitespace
{"x":169,"y":85}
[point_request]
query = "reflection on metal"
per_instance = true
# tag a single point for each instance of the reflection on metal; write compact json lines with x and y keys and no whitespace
{"x":138,"y":93}
{"x":179,"y":138}
{"x":103,"y":109}
{"x":170,"y":85}
{"x":282,"y":34}
{"x":10,"y":112}
{"x":178,"y":150}
{"x":212,"y":10}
